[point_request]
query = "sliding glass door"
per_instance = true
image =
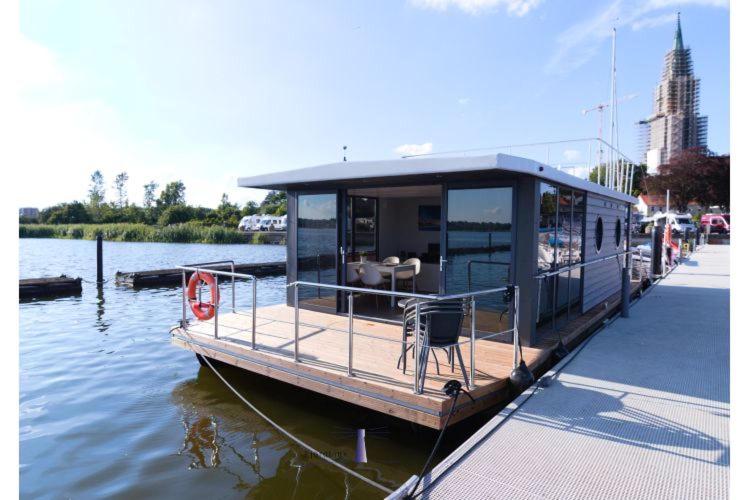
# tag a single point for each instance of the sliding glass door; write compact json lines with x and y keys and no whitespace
{"x":477,"y":247}
{"x":317,"y":248}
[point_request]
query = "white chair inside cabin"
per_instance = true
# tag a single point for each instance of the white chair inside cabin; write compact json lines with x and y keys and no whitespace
{"x":371,"y":277}
{"x":352,"y":275}
{"x":405,"y":276}
{"x":391,"y":260}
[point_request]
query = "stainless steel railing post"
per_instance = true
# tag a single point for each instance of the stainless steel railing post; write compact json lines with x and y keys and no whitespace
{"x":255,"y":303}
{"x":234,"y":308}
{"x":516,"y":341}
{"x":216,"y":313}
{"x":472,"y":344}
{"x":350,"y":368}
{"x":296,"y":323}
{"x":184,"y":305}
{"x":417,"y":354}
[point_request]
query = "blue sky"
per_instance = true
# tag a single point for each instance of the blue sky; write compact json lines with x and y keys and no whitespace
{"x":210,"y":91}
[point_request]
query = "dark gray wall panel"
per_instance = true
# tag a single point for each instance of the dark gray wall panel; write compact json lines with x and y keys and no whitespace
{"x":602,"y":280}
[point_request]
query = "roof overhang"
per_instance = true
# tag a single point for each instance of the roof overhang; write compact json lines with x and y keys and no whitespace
{"x":437,"y":167}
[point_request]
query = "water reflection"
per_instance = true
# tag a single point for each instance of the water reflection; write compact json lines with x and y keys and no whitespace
{"x":220,"y":433}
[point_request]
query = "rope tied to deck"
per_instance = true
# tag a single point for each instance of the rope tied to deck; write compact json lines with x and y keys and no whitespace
{"x":293,"y":437}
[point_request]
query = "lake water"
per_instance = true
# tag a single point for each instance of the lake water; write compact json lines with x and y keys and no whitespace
{"x":108,"y":407}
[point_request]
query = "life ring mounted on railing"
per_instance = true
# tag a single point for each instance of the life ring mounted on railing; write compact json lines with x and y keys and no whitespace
{"x":202,"y":310}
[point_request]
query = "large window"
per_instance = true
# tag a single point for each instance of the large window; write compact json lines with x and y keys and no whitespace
{"x":317,"y":247}
{"x":560,"y":245}
{"x":479,"y":239}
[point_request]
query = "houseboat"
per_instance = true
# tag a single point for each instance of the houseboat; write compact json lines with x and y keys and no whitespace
{"x":494,"y":260}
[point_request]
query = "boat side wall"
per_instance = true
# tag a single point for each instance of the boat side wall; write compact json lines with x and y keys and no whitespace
{"x":604,"y":279}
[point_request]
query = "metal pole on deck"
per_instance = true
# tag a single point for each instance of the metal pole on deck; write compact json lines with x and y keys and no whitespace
{"x":472,"y":344}
{"x":350,"y":368}
{"x":255,"y":302}
{"x":417,"y":354}
{"x":234,"y":307}
{"x":99,"y":260}
{"x":216,"y":312}
{"x":296,"y":322}
{"x":184,"y":306}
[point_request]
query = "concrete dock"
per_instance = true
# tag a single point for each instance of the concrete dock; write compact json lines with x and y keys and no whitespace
{"x":640,"y":411}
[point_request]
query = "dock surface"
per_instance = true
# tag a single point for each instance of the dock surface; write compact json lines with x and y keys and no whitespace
{"x":641,"y":411}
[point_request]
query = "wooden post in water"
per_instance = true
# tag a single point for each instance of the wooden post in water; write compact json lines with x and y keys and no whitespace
{"x":99,"y":261}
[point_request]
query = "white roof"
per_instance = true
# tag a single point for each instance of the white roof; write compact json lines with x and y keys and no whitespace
{"x":352,"y":170}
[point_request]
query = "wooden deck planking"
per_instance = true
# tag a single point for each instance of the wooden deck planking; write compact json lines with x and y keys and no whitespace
{"x":323,"y":350}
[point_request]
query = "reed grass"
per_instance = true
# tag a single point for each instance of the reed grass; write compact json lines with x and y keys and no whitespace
{"x":177,"y":233}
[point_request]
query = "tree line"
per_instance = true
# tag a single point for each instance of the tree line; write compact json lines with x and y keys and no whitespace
{"x":693,"y":175}
{"x":167,"y":208}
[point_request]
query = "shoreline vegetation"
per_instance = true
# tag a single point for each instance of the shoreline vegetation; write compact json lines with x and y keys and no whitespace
{"x":165,"y":218}
{"x":177,"y":233}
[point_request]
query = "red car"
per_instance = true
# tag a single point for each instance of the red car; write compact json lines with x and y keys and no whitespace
{"x":719,"y":223}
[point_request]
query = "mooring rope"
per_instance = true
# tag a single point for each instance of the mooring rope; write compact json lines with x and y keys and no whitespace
{"x":293,"y":437}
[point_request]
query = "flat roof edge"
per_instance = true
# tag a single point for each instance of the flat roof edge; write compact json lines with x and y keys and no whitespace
{"x":403,"y":167}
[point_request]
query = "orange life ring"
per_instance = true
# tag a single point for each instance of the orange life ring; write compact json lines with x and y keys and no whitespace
{"x":202,"y":310}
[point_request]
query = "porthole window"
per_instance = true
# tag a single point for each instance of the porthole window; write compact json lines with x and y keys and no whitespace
{"x":618,"y":232}
{"x":599,"y":235}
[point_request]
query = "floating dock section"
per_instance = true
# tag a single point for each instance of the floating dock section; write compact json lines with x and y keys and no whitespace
{"x":173,"y":276}
{"x":640,"y":411}
{"x":48,"y":287}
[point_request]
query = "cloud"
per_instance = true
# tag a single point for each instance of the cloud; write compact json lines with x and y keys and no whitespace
{"x":414,"y":149}
{"x":518,"y":8}
{"x":463,"y":100}
{"x":571,"y":155}
{"x":580,"y":42}
{"x":653,"y":22}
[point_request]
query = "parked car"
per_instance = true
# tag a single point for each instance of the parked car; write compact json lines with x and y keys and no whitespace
{"x":247,"y":222}
{"x":678,"y":222}
{"x":719,"y":223}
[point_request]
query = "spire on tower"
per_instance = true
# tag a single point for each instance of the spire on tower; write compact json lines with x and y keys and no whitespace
{"x":678,"y":35}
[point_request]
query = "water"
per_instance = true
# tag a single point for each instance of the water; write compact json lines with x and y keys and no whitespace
{"x":108,"y":407}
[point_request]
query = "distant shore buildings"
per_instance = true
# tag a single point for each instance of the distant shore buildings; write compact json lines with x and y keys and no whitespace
{"x":675,"y":124}
{"x":28,"y":212}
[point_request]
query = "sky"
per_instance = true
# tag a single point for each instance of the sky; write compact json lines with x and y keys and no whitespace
{"x":209,"y":91}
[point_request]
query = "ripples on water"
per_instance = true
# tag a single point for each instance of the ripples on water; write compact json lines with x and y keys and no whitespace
{"x":108,"y":407}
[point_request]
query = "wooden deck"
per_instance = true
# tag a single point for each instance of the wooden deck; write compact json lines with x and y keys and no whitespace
{"x":323,"y":352}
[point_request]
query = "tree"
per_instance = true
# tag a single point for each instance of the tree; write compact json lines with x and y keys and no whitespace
{"x":96,"y":189}
{"x":274,"y":203}
{"x":639,"y":172}
{"x":149,"y":194}
{"x":693,"y":175}
{"x":176,"y":214}
{"x":122,"y":191}
{"x":226,"y":214}
{"x":173,"y":194}
{"x":65,"y":213}
{"x":250,"y":208}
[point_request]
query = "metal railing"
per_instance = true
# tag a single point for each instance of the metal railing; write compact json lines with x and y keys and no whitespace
{"x":206,"y":267}
{"x":420,"y":299}
{"x":611,"y":167}
{"x":568,"y":270}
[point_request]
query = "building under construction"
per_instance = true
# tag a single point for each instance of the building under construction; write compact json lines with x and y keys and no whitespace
{"x":675,"y":124}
